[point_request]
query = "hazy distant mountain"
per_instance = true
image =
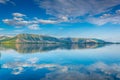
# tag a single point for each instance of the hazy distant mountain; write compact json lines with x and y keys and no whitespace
{"x":3,"y":37}
{"x":33,"y":38}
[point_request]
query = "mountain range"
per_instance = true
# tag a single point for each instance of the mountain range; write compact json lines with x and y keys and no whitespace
{"x":34,"y":38}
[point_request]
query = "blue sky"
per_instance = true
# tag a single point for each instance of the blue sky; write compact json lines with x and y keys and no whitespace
{"x":62,"y":18}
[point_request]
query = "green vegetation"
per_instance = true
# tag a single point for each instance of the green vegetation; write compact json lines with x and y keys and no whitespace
{"x":8,"y":40}
{"x":40,"y":39}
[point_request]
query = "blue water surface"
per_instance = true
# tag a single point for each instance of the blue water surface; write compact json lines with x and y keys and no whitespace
{"x":102,"y":63}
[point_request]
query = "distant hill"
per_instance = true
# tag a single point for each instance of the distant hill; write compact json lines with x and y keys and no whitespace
{"x":3,"y":37}
{"x":33,"y":38}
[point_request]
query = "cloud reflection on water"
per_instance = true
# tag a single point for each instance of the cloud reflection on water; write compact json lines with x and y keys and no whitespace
{"x":98,"y":70}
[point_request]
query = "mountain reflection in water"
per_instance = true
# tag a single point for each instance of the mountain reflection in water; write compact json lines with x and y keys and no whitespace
{"x":88,"y":63}
{"x":32,"y":48}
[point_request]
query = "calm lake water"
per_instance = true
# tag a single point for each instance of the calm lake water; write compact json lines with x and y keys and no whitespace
{"x":59,"y":62}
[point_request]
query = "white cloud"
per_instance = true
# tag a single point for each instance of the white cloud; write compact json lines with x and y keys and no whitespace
{"x":18,"y":15}
{"x":34,"y":27}
{"x":64,"y":18}
{"x":7,"y":1}
{"x":17,"y":23}
{"x":4,"y":1}
{"x":47,"y":21}
{"x":105,"y":18}
{"x":71,"y":10}
{"x":75,"y":8}
{"x":19,"y":20}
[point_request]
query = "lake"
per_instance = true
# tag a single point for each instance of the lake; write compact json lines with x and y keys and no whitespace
{"x":59,"y":62}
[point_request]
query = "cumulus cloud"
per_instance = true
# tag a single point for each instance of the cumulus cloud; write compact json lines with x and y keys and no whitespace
{"x":19,"y":20}
{"x":18,"y":15}
{"x":97,"y":12}
{"x":72,"y":10}
{"x":14,"y":22}
{"x":34,"y":27}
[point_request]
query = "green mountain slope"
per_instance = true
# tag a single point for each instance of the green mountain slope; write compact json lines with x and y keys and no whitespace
{"x":33,"y":38}
{"x":30,"y":38}
{"x":8,"y":40}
